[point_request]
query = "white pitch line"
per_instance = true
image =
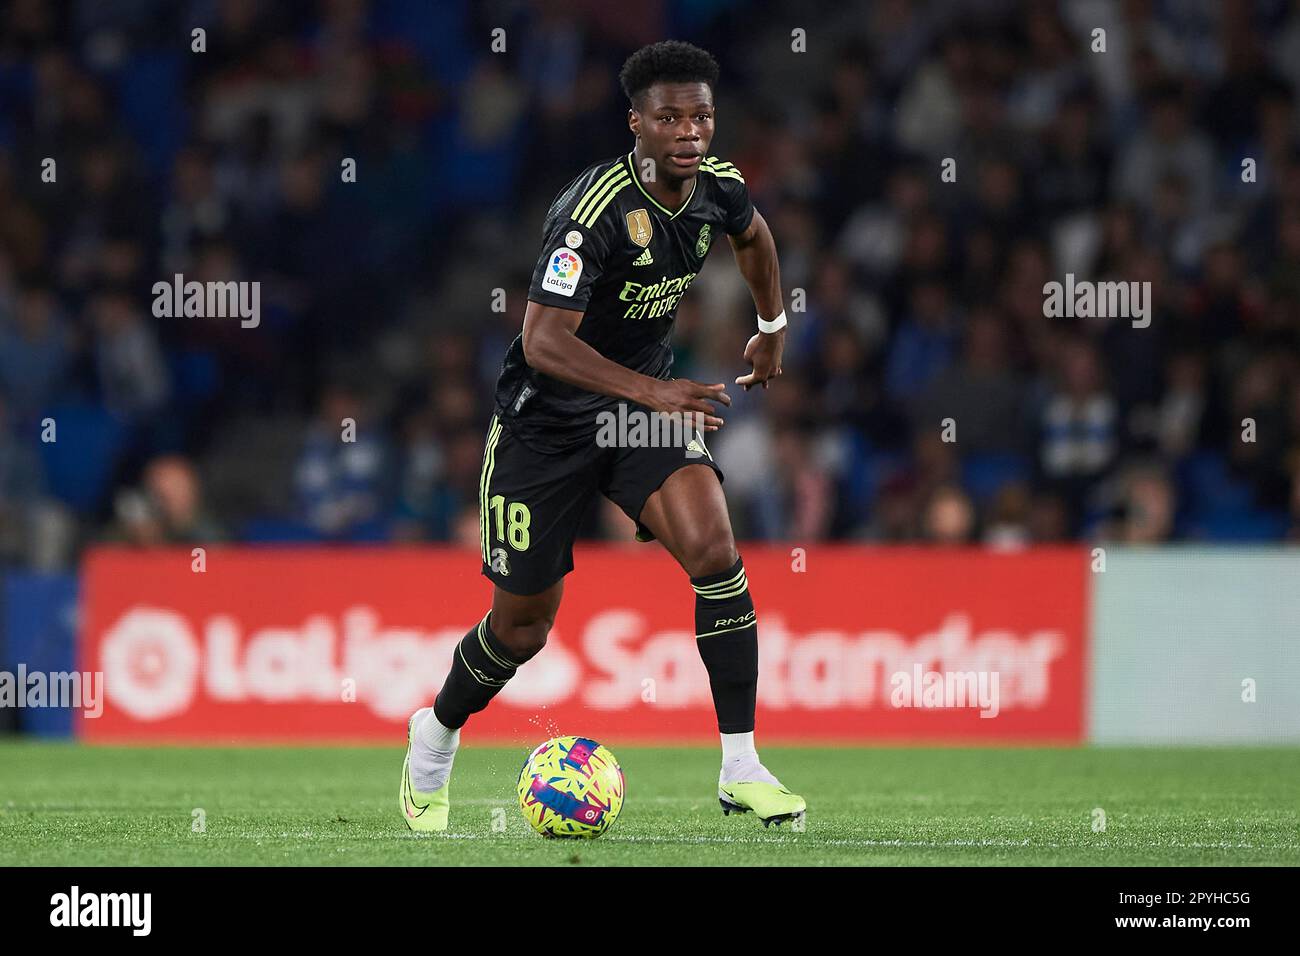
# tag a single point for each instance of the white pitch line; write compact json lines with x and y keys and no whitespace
{"x":936,"y":844}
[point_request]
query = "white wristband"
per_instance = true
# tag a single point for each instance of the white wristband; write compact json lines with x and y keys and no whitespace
{"x":776,"y":325}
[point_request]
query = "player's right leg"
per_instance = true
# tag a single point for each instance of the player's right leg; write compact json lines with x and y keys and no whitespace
{"x":530,"y":507}
{"x":680,"y":502}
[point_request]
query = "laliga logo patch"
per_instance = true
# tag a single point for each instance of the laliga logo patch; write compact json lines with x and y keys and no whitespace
{"x":565,"y":264}
{"x":562,"y":272}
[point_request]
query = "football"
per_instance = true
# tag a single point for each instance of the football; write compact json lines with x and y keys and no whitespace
{"x":571,"y":787}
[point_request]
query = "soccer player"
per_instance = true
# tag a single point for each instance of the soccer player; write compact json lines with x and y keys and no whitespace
{"x":623,"y":242}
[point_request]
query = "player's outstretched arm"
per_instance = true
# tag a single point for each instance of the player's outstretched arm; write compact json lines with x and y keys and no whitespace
{"x":551,"y":347}
{"x":755,"y":251}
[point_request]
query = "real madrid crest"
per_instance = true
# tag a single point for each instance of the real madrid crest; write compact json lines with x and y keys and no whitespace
{"x":639,"y":227}
{"x":702,"y":243}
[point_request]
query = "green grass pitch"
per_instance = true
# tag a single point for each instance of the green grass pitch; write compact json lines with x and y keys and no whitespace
{"x":67,"y":804}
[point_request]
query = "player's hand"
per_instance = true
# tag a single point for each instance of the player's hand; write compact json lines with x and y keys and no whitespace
{"x":764,"y":353}
{"x":685,"y":397}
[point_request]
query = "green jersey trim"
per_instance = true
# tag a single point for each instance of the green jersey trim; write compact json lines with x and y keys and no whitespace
{"x":658,"y":205}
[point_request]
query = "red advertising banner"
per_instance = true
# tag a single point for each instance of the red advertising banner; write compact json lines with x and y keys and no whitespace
{"x":860,"y":644}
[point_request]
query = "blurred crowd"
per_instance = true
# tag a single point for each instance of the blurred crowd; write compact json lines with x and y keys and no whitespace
{"x":926,"y":396}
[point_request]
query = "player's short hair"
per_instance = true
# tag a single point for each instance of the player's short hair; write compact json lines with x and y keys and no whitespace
{"x":670,"y":61}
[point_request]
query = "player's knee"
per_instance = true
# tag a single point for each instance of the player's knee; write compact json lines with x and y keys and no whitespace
{"x":712,"y":554}
{"x":525,"y":638}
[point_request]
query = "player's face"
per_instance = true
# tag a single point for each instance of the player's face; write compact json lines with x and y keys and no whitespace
{"x":675,"y":124}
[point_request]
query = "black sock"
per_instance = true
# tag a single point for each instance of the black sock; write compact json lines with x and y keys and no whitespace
{"x":726,"y":633}
{"x":479,"y":669}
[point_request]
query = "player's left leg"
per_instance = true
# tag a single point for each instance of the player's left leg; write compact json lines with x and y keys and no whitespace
{"x":530,"y":507}
{"x":512,"y":633}
{"x":687,"y":512}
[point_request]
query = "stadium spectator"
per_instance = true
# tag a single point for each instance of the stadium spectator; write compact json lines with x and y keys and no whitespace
{"x":132,"y":371}
{"x":921,"y":295}
{"x":340,"y":474}
{"x":22,"y":487}
{"x":1079,"y":427}
{"x":982,"y":393}
{"x":167,"y":509}
{"x":36,"y":353}
{"x":949,"y":517}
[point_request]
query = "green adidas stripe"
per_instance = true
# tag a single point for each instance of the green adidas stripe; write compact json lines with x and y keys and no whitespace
{"x":725,"y":174}
{"x":485,"y":476}
{"x":613,"y":191}
{"x":591,"y":211}
{"x":482,"y":509}
{"x":489,"y":457}
{"x":487,"y":485}
{"x":715,"y":165}
{"x":590,"y":195}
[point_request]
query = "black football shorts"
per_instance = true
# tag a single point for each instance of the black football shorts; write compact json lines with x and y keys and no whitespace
{"x":531,"y":503}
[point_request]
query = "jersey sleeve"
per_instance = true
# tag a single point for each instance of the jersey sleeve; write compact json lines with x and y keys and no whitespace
{"x":572,"y":259}
{"x":737,"y":209}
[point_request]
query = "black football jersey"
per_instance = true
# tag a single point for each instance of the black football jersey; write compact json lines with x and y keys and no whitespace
{"x":612,"y":252}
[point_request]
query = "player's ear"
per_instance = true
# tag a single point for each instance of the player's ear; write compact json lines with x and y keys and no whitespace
{"x":634,"y":121}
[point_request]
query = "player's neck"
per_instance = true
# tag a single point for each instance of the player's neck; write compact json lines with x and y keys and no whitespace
{"x":669,"y":192}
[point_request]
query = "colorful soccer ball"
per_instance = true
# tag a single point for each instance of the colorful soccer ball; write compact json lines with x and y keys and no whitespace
{"x":571,"y":787}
